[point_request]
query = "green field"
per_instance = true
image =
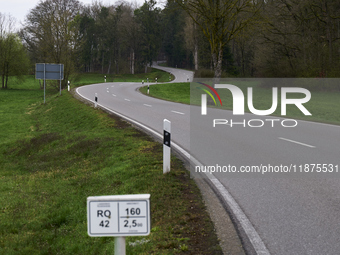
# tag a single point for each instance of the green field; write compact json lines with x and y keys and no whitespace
{"x":54,"y":155}
{"x":92,"y":78}
{"x":176,"y":92}
{"x":324,"y":106}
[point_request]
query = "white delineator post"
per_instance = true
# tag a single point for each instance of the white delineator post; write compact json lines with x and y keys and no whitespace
{"x":68,"y":85}
{"x":120,"y":246}
{"x":204,"y":104}
{"x":95,"y":100}
{"x":166,"y":146}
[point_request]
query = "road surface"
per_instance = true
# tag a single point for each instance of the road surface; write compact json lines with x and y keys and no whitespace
{"x":277,"y":214}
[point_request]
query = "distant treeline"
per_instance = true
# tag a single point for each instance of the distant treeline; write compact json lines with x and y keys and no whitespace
{"x":289,"y":38}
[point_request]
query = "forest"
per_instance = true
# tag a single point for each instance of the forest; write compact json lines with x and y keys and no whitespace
{"x":221,"y":38}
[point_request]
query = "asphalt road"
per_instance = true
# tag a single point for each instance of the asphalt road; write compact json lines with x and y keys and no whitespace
{"x":287,"y":213}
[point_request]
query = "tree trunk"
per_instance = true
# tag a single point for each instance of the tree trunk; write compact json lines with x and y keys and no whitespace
{"x":217,"y":62}
{"x":6,"y":82}
{"x":108,"y":70}
{"x":133,"y":62}
{"x":196,"y":56}
{"x":103,"y":64}
{"x":6,"y":74}
{"x":195,"y":47}
{"x":3,"y":81}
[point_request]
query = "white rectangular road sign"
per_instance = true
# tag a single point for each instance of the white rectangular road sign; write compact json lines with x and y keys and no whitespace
{"x":124,"y":215}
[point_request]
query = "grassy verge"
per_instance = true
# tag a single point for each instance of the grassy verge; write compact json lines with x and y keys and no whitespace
{"x":54,"y":155}
{"x":176,"y":92}
{"x":323,"y":105}
{"x":92,"y":78}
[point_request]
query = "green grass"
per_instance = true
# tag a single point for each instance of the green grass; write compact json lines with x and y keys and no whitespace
{"x":54,"y":155}
{"x":324,"y":106}
{"x":176,"y":92}
{"x":92,"y":78}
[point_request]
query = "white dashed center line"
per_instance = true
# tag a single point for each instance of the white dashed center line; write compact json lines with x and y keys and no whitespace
{"x":178,"y":112}
{"x":292,"y":141}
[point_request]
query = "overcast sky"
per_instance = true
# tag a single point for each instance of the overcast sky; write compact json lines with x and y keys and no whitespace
{"x":20,"y":8}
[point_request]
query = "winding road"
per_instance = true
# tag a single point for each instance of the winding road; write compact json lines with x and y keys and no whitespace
{"x":275,"y":213}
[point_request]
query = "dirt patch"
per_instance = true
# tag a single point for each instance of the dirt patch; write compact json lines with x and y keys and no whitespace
{"x":119,"y":122}
{"x":35,"y":144}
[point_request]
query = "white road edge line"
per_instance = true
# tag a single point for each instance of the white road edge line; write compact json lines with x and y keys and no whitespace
{"x":147,"y":105}
{"x":292,"y":141}
{"x":258,"y":245}
{"x":178,"y":112}
{"x":127,"y":99}
{"x":114,"y":95}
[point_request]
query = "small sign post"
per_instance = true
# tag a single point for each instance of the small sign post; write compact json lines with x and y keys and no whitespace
{"x":119,"y":216}
{"x":60,"y":78}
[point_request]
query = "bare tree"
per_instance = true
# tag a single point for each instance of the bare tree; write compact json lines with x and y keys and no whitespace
{"x":191,"y":39}
{"x":13,"y":57}
{"x":300,"y":38}
{"x":129,"y":33}
{"x":48,"y":34}
{"x":220,"y":21}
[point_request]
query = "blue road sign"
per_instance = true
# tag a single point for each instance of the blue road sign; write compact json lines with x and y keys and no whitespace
{"x":49,"y":71}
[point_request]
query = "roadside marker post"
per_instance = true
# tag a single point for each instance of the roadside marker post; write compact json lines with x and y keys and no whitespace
{"x":119,"y":216}
{"x":68,"y":85}
{"x":60,"y":80}
{"x":120,"y":246}
{"x":148,"y":89}
{"x":105,"y":78}
{"x":166,"y":146}
{"x":95,"y":100}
